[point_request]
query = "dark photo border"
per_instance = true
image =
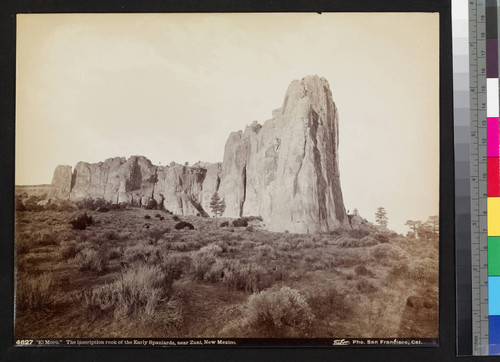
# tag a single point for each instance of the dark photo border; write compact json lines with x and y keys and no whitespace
{"x":8,"y":352}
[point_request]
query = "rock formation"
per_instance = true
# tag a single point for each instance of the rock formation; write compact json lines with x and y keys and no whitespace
{"x":61,"y":183}
{"x":182,"y":189}
{"x":285,"y":170}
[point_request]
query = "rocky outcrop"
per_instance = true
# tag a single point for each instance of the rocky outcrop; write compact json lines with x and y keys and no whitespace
{"x":287,"y":169}
{"x":61,"y":183}
{"x":135,"y":181}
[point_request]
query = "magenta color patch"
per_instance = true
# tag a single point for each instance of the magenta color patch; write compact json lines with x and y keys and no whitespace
{"x":492,"y":141}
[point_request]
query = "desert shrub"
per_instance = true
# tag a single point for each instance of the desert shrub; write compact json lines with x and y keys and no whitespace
{"x":366,"y":287}
{"x":91,"y":260}
{"x":62,"y":206}
{"x":425,"y":270}
{"x":152,"y":205}
{"x":141,"y":253}
{"x":68,"y":250}
{"x":140,"y":291}
{"x":252,"y":218}
{"x":82,"y":221}
{"x":111,"y":235}
{"x":250,"y":229}
{"x":19,"y":206}
{"x":362,"y":270}
{"x":398,"y":272}
{"x":250,"y":278}
{"x":283,"y":246}
{"x":182,"y":225}
{"x":247,"y":244}
{"x":275,"y":311}
{"x":240,"y":223}
{"x":347,"y":259}
{"x":224,"y":224}
{"x":216,"y":271}
{"x":147,"y":217}
{"x":305,"y":244}
{"x":386,"y":254}
{"x":348,"y":242}
{"x":35,"y":292}
{"x":45,"y":238}
{"x":93,"y":204}
{"x":174,"y":265}
{"x":337,"y":232}
{"x":193,"y":245}
{"x":115,"y":253}
{"x":202,"y":260}
{"x":22,"y":245}
{"x":382,"y":238}
{"x":330,"y":303}
{"x":266,"y":250}
{"x":358,"y":233}
{"x":155,"y":234}
{"x":176,"y":218}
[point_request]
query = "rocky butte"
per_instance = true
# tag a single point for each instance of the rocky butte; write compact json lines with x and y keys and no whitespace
{"x":286,"y":170}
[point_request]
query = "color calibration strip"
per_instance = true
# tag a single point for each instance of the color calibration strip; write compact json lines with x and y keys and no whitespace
{"x":478,"y":175}
{"x":462,"y":138}
{"x":493,"y":178}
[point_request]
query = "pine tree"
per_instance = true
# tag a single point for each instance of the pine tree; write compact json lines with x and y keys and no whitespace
{"x":217,"y":205}
{"x":381,"y":217}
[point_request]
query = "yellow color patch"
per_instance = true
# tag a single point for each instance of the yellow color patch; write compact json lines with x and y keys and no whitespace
{"x":493,"y":216}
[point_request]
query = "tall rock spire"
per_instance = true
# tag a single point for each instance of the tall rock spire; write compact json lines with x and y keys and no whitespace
{"x":287,"y":169}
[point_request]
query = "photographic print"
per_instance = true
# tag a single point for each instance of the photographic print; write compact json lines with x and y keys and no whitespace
{"x":227,"y":179}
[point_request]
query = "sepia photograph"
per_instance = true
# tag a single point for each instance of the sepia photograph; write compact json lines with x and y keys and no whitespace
{"x":227,"y":179}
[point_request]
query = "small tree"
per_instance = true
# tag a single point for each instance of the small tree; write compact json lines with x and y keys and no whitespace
{"x":217,"y":205}
{"x":413,"y":225}
{"x":429,"y":229}
{"x":433,"y":224}
{"x":381,"y":217}
{"x":355,"y":212}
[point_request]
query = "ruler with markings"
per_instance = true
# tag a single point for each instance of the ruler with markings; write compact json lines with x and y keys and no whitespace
{"x":478,"y":174}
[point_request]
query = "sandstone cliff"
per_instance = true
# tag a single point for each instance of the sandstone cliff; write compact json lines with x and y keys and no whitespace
{"x":182,"y":189}
{"x":61,"y":183}
{"x":285,"y":170}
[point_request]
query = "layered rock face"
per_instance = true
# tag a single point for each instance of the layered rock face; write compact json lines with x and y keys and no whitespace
{"x":287,"y":169}
{"x":182,"y":189}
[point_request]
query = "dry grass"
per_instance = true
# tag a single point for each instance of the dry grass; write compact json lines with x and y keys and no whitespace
{"x":116,"y":276}
{"x":35,"y":293}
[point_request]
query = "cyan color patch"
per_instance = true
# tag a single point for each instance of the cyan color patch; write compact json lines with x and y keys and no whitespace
{"x":494,"y":296}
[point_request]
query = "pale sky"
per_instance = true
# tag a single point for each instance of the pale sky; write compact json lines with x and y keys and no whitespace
{"x":172,"y":87}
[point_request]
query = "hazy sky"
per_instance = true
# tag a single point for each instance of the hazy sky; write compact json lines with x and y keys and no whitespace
{"x":172,"y":87}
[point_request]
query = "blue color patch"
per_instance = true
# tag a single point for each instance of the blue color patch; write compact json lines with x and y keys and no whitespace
{"x":494,"y":295}
{"x":494,"y":334}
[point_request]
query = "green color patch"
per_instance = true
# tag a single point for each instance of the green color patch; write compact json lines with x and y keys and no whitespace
{"x":494,"y":255}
